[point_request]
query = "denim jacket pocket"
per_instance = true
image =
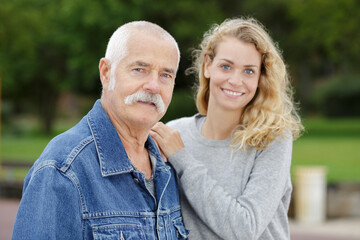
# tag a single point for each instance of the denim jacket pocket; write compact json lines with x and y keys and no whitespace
{"x":118,"y":231}
{"x":182,"y":232}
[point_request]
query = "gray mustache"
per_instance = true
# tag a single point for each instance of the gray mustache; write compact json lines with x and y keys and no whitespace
{"x":147,"y":98}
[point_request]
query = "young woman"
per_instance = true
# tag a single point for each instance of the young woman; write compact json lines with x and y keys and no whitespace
{"x":233,"y":158}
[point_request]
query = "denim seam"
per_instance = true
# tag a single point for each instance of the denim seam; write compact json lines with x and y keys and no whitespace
{"x":48,"y":163}
{"x":169,"y":210}
{"x":96,"y":139}
{"x":118,"y":214}
{"x":100,"y":155}
{"x":75,"y":152}
{"x":116,"y":226}
{"x":72,"y":176}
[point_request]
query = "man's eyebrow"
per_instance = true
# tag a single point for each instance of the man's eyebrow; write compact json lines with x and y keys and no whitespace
{"x":144,"y":64}
{"x":169,"y":70}
{"x":140,"y":63}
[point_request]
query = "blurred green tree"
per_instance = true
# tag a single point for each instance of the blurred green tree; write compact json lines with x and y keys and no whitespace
{"x":32,"y":60}
{"x":319,"y":38}
{"x":325,"y":41}
{"x":47,"y":47}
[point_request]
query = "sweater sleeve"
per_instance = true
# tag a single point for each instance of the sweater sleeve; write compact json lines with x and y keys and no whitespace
{"x":247,"y":215}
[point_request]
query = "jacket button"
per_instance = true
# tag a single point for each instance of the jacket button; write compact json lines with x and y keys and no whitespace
{"x":136,"y":180}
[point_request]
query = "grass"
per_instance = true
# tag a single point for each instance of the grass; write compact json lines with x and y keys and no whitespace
{"x":340,"y":155}
{"x":25,"y":147}
{"x":22,"y":149}
{"x":331,"y":143}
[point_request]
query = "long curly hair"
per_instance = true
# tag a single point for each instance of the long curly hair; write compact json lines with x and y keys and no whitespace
{"x":272,"y":111}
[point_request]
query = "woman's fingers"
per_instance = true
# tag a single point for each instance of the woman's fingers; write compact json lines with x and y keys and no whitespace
{"x":168,"y":139}
{"x":160,"y":128}
{"x":155,"y":138}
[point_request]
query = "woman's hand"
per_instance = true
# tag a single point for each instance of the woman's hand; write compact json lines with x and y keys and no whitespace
{"x":167,"y":139}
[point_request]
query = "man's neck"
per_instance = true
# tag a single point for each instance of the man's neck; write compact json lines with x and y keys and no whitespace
{"x":133,"y":137}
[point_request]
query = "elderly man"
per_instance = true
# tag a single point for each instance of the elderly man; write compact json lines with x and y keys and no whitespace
{"x":104,"y":178}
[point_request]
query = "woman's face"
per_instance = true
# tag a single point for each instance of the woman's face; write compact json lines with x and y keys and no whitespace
{"x":234,"y":75}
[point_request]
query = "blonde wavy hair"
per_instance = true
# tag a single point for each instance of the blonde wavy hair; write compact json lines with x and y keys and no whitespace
{"x":272,"y":111}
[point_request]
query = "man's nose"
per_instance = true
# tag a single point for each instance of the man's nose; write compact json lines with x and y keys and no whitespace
{"x":152,"y":83}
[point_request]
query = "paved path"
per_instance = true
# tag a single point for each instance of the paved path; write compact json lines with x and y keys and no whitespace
{"x":8,"y":209}
{"x":339,"y":229}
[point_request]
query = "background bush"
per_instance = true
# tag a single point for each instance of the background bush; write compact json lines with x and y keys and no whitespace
{"x":338,"y":97}
{"x":182,"y":104}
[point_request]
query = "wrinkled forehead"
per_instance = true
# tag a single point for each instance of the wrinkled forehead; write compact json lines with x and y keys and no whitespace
{"x":152,"y":36}
{"x":152,"y":51}
{"x":134,"y":32}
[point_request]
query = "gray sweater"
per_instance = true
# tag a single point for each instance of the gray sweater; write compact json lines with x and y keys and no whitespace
{"x":227,"y":194}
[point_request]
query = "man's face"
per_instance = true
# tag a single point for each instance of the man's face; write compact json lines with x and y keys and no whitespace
{"x":150,"y":66}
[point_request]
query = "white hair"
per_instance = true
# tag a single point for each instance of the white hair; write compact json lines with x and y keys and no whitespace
{"x":117,"y":46}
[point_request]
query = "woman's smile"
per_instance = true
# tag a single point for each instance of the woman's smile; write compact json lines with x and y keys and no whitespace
{"x":231,"y":93}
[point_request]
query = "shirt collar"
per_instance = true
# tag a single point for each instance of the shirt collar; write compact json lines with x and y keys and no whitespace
{"x":111,"y":152}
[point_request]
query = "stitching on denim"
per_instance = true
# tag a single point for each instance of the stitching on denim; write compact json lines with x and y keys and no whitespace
{"x":48,"y":163}
{"x":75,"y":152}
{"x":104,"y":172}
{"x":96,"y":137}
{"x":72,"y":177}
{"x":95,"y":215}
{"x":117,"y":226}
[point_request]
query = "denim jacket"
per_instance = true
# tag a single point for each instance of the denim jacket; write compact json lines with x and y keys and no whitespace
{"x":83,"y":186}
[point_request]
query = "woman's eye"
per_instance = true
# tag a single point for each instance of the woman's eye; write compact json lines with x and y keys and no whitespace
{"x":249,"y":71}
{"x":225,"y":66}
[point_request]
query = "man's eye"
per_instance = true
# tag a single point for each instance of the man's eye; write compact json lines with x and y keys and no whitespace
{"x":166,"y":75}
{"x":138,"y":69}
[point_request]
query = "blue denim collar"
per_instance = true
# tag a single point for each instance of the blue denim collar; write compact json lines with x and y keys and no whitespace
{"x":111,"y":152}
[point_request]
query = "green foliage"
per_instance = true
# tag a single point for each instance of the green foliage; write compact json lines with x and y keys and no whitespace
{"x":319,"y":38}
{"x":48,"y":47}
{"x":326,"y":31}
{"x":339,"y":96}
{"x":32,"y":59}
{"x":182,"y":105}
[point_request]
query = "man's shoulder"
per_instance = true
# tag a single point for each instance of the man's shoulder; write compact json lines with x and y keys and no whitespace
{"x":63,"y":148}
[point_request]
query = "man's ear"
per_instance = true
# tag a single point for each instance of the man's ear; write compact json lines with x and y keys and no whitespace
{"x":207,"y":63}
{"x":105,"y":72}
